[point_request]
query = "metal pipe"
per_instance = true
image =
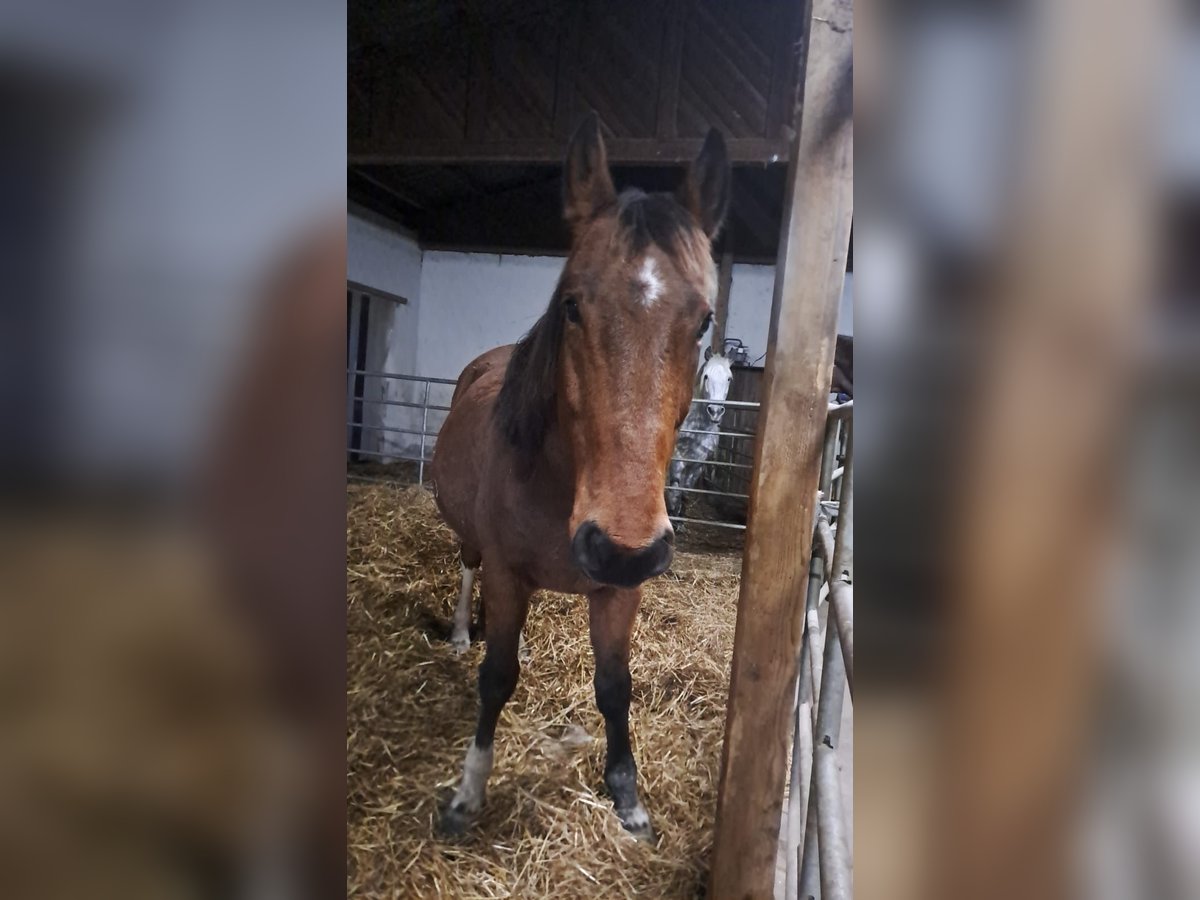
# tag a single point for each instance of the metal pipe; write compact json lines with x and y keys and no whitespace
{"x":812,"y":636}
{"x":731,"y":434}
{"x":802,"y":739}
{"x":396,"y":455}
{"x":373,"y":374}
{"x":828,"y":452}
{"x":808,"y":853}
{"x":841,"y":605}
{"x":834,"y":855}
{"x":841,"y":410}
{"x":703,"y":491}
{"x":713,"y":462}
{"x":352,"y":351}
{"x":843,"y":553}
{"x":736,"y":404}
{"x":394,"y":430}
{"x":424,"y":428}
{"x":824,"y":540}
{"x":712,"y":522}
{"x":802,"y":760}
{"x":371,"y":402}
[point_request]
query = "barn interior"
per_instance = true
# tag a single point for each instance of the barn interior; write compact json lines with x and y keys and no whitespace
{"x":459,"y":118}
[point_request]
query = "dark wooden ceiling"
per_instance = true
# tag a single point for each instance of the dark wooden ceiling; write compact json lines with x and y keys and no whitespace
{"x":460,"y":111}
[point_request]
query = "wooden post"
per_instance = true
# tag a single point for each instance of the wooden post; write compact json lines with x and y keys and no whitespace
{"x":808,"y":286}
{"x":724,"y":284}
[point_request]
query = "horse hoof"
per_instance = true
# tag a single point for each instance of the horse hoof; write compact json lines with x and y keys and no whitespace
{"x":461,"y":642}
{"x":637,"y":823}
{"x":455,"y":821}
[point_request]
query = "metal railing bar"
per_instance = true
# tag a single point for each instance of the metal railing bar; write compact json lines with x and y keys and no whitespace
{"x":400,"y":403}
{"x":834,"y":852}
{"x":843,"y":552}
{"x":801,"y":772}
{"x":812,"y":636}
{"x":732,"y":434}
{"x":420,"y":378}
{"x":712,"y":522}
{"x":825,"y":543}
{"x":424,"y":429}
{"x":840,"y":410}
{"x":713,"y":462}
{"x":702,"y":491}
{"x":392,"y":430}
{"x":395,"y":456}
{"x":841,"y":606}
{"x":354,"y":476}
{"x":736,"y":404}
{"x":828,"y":454}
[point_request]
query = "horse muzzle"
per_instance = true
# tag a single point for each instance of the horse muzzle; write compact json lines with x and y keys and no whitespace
{"x":607,"y":562}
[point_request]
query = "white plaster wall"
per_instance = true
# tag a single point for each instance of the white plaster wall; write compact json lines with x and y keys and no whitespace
{"x":381,"y":257}
{"x":472,"y":302}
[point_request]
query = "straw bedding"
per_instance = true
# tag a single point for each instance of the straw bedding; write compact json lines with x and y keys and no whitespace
{"x":547,"y":828}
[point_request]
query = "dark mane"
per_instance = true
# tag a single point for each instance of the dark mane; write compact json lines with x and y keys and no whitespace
{"x":525,"y":405}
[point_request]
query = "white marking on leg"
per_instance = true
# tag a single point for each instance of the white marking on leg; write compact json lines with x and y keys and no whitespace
{"x":636,"y":818}
{"x":522,"y":650}
{"x":652,"y":285}
{"x":461,"y":636}
{"x":476,"y":769}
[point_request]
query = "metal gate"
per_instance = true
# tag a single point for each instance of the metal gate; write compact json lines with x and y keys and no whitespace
{"x":817,"y":842}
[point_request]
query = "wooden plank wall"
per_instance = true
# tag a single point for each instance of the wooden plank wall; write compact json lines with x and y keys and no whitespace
{"x":490,"y":85}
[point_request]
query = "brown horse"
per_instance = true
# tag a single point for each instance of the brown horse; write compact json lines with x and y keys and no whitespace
{"x":551,"y":464}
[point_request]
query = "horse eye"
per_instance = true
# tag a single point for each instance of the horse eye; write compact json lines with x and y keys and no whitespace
{"x":704,"y":326}
{"x":571,"y":307}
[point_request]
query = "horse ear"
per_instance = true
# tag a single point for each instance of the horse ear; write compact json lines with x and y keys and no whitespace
{"x":706,"y":190}
{"x":587,"y":184}
{"x":707,"y":353}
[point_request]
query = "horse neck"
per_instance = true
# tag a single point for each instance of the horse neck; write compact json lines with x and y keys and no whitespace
{"x":698,"y":420}
{"x":554,"y":456}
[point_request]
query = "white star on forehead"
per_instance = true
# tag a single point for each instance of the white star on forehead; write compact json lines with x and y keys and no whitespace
{"x":651,"y":282}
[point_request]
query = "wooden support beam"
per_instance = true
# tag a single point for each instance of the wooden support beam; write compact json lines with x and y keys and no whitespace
{"x":648,"y":151}
{"x":808,"y":287}
{"x":724,"y":284}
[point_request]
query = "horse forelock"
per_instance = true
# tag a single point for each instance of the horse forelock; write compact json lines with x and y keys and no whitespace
{"x":662,"y":221}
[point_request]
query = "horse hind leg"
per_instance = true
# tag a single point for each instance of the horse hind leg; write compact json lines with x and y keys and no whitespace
{"x":460,"y":636}
{"x":507,"y":601}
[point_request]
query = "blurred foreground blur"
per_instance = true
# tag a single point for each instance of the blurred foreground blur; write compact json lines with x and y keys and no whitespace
{"x":1028,"y":196}
{"x":172,"y":525}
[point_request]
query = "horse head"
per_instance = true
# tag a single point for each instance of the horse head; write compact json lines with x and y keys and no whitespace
{"x":714,"y":386}
{"x":611,"y":363}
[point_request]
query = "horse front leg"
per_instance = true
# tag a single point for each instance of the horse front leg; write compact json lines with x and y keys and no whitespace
{"x":506,"y":601}
{"x":611,"y":613}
